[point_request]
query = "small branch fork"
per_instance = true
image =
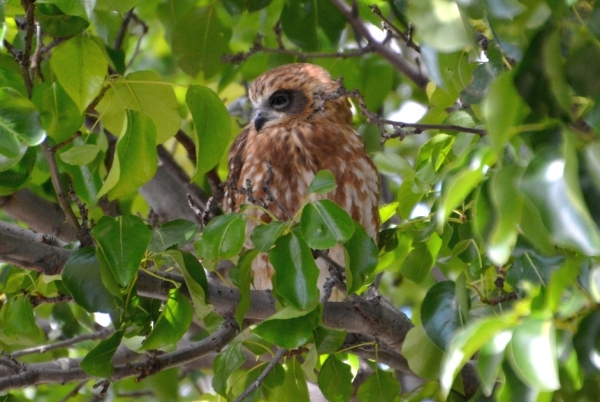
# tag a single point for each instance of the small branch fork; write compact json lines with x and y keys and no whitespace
{"x":399,"y":127}
{"x":394,"y":31}
{"x":259,"y":380}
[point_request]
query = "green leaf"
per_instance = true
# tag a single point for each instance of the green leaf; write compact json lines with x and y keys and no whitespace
{"x":440,"y":313}
{"x":80,"y":67}
{"x":465,"y":343}
{"x":195,"y":279}
{"x":121,"y":6}
{"x":98,"y":361}
{"x":289,"y":327}
{"x":508,"y":202}
{"x":224,"y":237}
{"x":14,"y":178}
{"x":136,"y":160}
{"x":176,"y":232}
{"x":551,"y":184}
{"x":59,"y":114}
{"x":328,"y":340}
{"x":296,"y":273}
{"x":325,"y":224}
{"x":198,"y":39}
{"x":82,"y":276}
{"x":440,"y":25}
{"x":122,"y":242}
{"x":244,"y":282}
{"x":212,"y":127}
{"x":387,"y":211}
{"x":504,"y":109}
{"x":80,"y":154}
{"x":532,"y":354}
{"x":264,"y":236}
{"x":173,"y":323}
{"x":424,"y":358}
{"x":490,"y":359}
{"x":586,"y":342}
{"x":19,"y":119}
{"x":335,"y":380}
{"x":17,"y":323}
{"x":54,"y":22}
{"x":226,"y":362}
{"x":294,"y":388}
{"x":420,"y":259}
{"x":381,"y":386}
{"x":457,"y":185}
{"x":540,"y":77}
{"x":299,"y":21}
{"x":361,"y":258}
{"x":144,"y":92}
{"x":323,"y":183}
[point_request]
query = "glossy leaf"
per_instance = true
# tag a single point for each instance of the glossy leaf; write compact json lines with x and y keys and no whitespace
{"x":223,"y":237}
{"x":98,"y":361}
{"x":136,"y":159}
{"x":144,"y":92}
{"x":18,"y":323}
{"x":323,"y":183}
{"x":264,"y":236}
{"x":82,"y":276}
{"x":381,"y":386}
{"x":490,"y":359}
{"x":212,"y":127}
{"x":328,"y":340}
{"x":586,"y":342}
{"x":172,"y":323}
{"x":440,"y":313}
{"x":294,"y":388}
{"x":80,"y":67}
{"x":466,"y":343}
{"x":19,"y":118}
{"x":335,"y":380}
{"x":551,"y":184}
{"x":244,"y":281}
{"x":226,"y":362}
{"x":532,"y":353}
{"x":424,"y":357}
{"x":325,"y":224}
{"x":122,"y":242}
{"x":289,"y":327}
{"x":361,"y":258}
{"x":296,"y":273}
{"x":176,"y":232}
{"x":80,"y":154}
{"x":59,"y":114}
{"x":195,"y":280}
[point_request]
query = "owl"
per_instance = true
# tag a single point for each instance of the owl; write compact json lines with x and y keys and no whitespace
{"x":301,"y":125}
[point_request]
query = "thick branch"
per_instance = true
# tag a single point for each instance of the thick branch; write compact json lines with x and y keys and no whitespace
{"x":396,"y":60}
{"x":67,"y":370}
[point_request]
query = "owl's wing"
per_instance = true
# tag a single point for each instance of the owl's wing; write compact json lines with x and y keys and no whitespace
{"x":235,"y":163}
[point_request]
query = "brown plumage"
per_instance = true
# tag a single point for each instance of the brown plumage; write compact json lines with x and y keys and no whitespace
{"x":302,"y":126}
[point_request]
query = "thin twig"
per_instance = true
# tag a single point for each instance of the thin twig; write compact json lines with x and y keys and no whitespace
{"x":123,"y":30}
{"x":62,"y":198}
{"x":396,"y":60}
{"x":397,"y":33}
{"x":258,"y":47}
{"x":66,"y":142}
{"x":102,"y":334}
{"x":259,"y":380}
{"x":29,"y":7}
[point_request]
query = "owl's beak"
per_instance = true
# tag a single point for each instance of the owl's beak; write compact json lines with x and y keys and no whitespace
{"x":259,"y":121}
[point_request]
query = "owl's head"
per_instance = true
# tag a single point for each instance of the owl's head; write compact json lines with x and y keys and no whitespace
{"x":295,"y":92}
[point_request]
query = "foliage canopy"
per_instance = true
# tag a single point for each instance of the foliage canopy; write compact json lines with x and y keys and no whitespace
{"x":115,"y":120}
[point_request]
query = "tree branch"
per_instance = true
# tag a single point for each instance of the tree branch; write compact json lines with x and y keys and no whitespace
{"x":67,"y":370}
{"x":259,"y":380}
{"x":397,"y":61}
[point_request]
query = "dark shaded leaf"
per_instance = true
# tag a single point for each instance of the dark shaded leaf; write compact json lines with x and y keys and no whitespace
{"x":440,"y":313}
{"x":289,"y":328}
{"x":361,"y":258}
{"x":98,"y":361}
{"x":177,"y":232}
{"x":335,"y":380}
{"x":381,"y":386}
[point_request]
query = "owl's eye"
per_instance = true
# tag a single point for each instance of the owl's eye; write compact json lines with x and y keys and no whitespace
{"x":279,"y":100}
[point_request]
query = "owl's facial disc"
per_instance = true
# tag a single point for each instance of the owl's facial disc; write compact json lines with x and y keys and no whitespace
{"x":281,"y":104}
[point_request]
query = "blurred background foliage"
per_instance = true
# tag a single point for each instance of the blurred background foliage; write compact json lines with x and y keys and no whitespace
{"x":485,"y":129}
